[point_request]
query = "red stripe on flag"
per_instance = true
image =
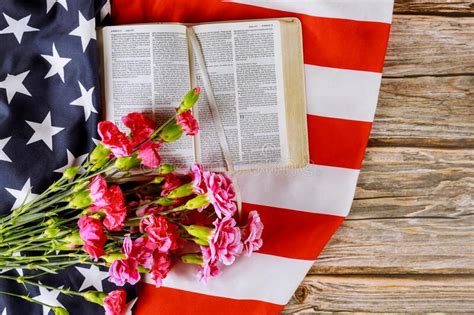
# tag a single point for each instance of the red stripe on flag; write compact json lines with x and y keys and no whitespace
{"x":328,"y":42}
{"x":165,"y":301}
{"x":337,"y":142}
{"x":294,"y":234}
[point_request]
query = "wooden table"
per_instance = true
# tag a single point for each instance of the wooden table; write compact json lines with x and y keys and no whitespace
{"x":408,"y":243}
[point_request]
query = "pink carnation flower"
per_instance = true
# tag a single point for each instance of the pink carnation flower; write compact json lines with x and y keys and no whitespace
{"x":142,"y":251}
{"x":161,"y":267}
{"x":92,"y":234}
{"x":199,"y":186}
{"x":225,"y":243}
{"x":188,"y":123}
{"x":220,"y":192}
{"x":162,"y":233}
{"x":252,"y":233}
{"x":115,"y":210}
{"x":97,"y":190}
{"x":218,"y":187}
{"x":148,"y":154}
{"x":114,"y":302}
{"x":114,"y":139}
{"x":125,"y":270}
{"x":141,"y":127}
{"x":208,"y":270}
{"x":171,"y":182}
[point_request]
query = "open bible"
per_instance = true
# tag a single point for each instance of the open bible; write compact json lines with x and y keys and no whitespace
{"x":257,"y":77}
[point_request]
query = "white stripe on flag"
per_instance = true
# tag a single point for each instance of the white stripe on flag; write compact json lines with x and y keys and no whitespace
{"x":315,"y":188}
{"x":363,"y":10}
{"x":339,"y":93}
{"x":260,"y":277}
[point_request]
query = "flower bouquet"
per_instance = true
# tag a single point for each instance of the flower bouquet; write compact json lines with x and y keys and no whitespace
{"x":125,"y":210}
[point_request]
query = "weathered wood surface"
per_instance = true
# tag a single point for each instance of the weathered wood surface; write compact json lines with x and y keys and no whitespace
{"x":413,"y":213}
{"x":384,"y":294}
{"x":425,"y":112}
{"x":408,"y":243}
{"x":430,"y":45}
{"x":435,"y":7}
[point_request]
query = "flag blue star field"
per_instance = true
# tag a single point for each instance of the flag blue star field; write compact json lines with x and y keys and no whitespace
{"x":49,"y":109}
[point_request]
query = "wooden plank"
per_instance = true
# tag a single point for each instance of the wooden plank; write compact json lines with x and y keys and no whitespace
{"x":439,"y":7}
{"x":401,"y":294}
{"x":430,"y":45}
{"x":413,"y":213}
{"x":425,"y":111}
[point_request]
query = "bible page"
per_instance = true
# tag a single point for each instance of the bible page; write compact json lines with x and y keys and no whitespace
{"x":244,"y":62}
{"x":147,"y":70}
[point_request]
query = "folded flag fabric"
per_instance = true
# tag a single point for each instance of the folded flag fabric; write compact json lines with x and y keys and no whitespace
{"x":49,"y":109}
{"x":344,"y":49}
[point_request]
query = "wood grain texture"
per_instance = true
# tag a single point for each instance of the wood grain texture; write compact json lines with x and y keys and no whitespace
{"x":413,"y":213}
{"x":430,"y":45}
{"x":436,"y":7}
{"x":384,"y":294}
{"x":425,"y":111}
{"x":408,"y":244}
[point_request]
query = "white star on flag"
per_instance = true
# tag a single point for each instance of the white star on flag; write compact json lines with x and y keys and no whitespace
{"x":4,"y":312}
{"x":18,"y":27}
{"x":51,"y":3}
{"x":71,"y":161}
{"x":22,"y":196}
{"x":44,"y":131}
{"x":85,"y":30}
{"x":14,"y":84}
{"x":96,"y":141}
{"x":92,"y":277}
{"x":85,"y":101}
{"x":57,"y":64}
{"x":3,"y":155}
{"x":48,"y":297}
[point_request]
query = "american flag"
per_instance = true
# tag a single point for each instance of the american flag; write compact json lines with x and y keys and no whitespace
{"x":49,"y":109}
{"x":344,"y":49}
{"x":53,"y":121}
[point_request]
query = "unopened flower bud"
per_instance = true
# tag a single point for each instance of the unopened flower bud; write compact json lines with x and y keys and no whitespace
{"x":200,"y":242}
{"x":182,"y":191}
{"x":189,"y":100}
{"x":192,"y":259}
{"x":51,"y":232}
{"x":200,"y":201}
{"x":127,"y":163}
{"x":99,"y":153}
{"x":73,"y":239}
{"x":201,"y":232}
{"x":51,"y":222}
{"x":80,"y":200}
{"x":110,"y":258}
{"x":157,"y":180}
{"x":143,"y":269}
{"x":71,"y":172}
{"x":171,"y":133}
{"x":166,"y":169}
{"x":60,"y":311}
{"x":163,"y":201}
{"x":95,"y":297}
{"x":80,"y":186}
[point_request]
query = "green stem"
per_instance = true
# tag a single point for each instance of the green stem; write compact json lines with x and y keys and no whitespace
{"x":177,"y":209}
{"x":157,"y":131}
{"x":27,"y":298}
{"x":23,"y":280}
